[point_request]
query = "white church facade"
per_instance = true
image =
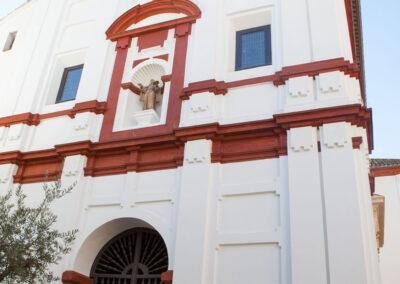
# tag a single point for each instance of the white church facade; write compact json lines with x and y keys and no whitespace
{"x":211,"y":141}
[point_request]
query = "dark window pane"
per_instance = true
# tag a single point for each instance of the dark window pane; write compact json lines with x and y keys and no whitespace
{"x":253,"y":48}
{"x":69,"y":84}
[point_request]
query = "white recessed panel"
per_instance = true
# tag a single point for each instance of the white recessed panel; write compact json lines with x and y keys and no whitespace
{"x":248,"y":264}
{"x":249,"y":213}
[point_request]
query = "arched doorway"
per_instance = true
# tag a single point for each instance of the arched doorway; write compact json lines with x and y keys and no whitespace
{"x":136,"y":256}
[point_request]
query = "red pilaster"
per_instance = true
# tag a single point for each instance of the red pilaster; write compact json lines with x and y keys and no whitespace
{"x":122,"y":47}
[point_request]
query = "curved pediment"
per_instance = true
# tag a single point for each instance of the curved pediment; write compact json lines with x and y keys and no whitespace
{"x":125,"y":24}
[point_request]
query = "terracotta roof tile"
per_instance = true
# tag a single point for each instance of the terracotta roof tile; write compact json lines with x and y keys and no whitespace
{"x":384,"y":163}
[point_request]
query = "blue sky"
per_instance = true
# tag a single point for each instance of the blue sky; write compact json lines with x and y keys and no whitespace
{"x":382,"y":57}
{"x":7,"y":6}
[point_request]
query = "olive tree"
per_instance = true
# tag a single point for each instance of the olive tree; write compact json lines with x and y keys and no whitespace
{"x":29,"y":242}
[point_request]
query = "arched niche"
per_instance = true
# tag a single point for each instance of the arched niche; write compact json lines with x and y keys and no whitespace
{"x":157,"y":29}
{"x":130,"y":114}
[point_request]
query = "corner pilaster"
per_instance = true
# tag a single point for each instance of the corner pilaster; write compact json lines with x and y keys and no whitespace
{"x":307,"y":236}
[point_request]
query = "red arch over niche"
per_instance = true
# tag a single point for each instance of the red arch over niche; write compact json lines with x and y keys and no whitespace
{"x":140,"y":12}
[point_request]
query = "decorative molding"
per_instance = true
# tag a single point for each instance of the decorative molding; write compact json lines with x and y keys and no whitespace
{"x":279,"y":78}
{"x":385,"y":172}
{"x":89,"y":106}
{"x":197,"y":152}
{"x":72,"y":277}
{"x":211,"y":86}
{"x":131,"y":87}
{"x":176,"y":79}
{"x":123,"y":43}
{"x":330,"y":82}
{"x":73,"y":165}
{"x":300,"y":87}
{"x":357,"y":141}
{"x":140,"y":12}
{"x":164,"y":57}
{"x":35,"y":119}
{"x":32,"y":170}
{"x":139,"y":61}
{"x":231,"y":143}
{"x":354,"y":22}
{"x":335,"y":135}
{"x":153,"y":39}
{"x":303,"y":139}
{"x":16,"y":132}
{"x":23,"y":118}
{"x":124,"y":159}
{"x":266,"y":237}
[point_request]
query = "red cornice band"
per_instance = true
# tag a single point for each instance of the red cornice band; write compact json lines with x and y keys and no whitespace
{"x":384,"y":172}
{"x":231,"y":143}
{"x":279,"y":78}
{"x":35,"y":119}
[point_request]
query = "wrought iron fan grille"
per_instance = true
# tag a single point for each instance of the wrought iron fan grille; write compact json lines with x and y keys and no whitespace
{"x":136,"y":256}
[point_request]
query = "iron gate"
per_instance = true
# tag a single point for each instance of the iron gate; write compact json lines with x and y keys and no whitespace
{"x":136,"y":256}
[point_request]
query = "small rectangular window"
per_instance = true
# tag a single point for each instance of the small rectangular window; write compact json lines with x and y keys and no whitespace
{"x":10,"y":41}
{"x":69,"y":84}
{"x":253,"y":48}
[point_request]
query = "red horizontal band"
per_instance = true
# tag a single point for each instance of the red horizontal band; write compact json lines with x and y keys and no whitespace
{"x":279,"y":78}
{"x":231,"y":143}
{"x":34,"y":119}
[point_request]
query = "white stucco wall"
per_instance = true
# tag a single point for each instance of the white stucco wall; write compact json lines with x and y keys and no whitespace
{"x":304,"y":218}
{"x":389,"y":256}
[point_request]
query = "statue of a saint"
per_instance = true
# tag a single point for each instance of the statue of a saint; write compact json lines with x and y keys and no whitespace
{"x":150,"y":95}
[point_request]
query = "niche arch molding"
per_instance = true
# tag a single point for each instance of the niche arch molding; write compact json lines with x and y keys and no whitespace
{"x":120,"y":28}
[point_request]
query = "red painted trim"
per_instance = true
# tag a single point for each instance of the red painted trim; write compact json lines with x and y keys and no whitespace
{"x":115,"y":87}
{"x":39,"y":170}
{"x":35,"y":119}
{"x":372,"y":184}
{"x":231,"y":143}
{"x":89,"y":106}
{"x":384,"y":172}
{"x":23,"y":118}
{"x":162,"y":57}
{"x":357,"y":141}
{"x":137,"y":62}
{"x":137,"y":158}
{"x":152,"y":39}
{"x":166,"y":277}
{"x":279,"y":78}
{"x":130,"y":86}
{"x":72,"y":277}
{"x":174,"y":106}
{"x":140,"y":12}
{"x":156,"y":27}
{"x":166,"y":78}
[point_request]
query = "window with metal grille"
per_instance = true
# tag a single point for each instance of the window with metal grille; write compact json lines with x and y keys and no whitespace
{"x":136,"y":256}
{"x":253,"y":48}
{"x":69,"y":84}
